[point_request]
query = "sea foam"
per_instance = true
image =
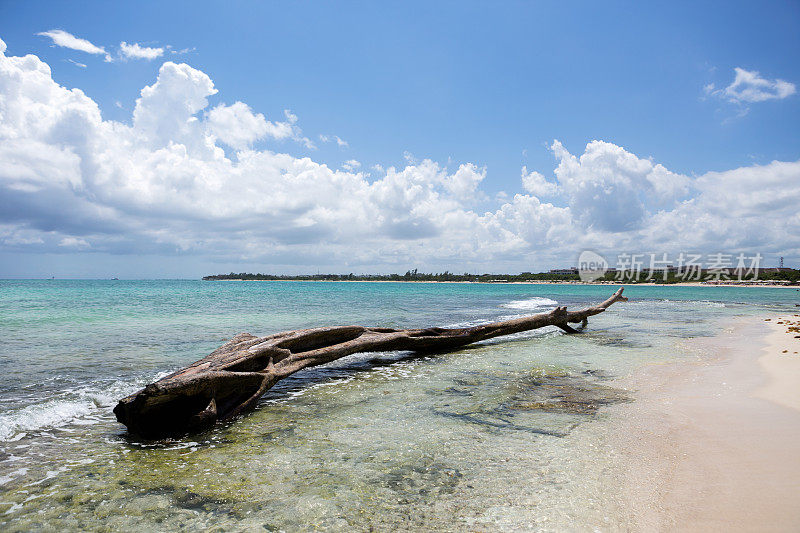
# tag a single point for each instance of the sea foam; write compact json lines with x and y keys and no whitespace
{"x":81,"y":406}
{"x":530,"y":303}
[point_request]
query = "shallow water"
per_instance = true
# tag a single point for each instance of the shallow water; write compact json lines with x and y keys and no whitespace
{"x":501,"y":434}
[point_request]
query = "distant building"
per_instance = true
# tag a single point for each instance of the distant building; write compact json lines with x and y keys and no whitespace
{"x":564,"y":271}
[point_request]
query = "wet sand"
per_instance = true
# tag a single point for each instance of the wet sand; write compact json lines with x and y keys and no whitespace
{"x":715,"y":446}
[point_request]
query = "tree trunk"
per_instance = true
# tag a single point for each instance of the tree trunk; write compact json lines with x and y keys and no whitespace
{"x":233,"y":377}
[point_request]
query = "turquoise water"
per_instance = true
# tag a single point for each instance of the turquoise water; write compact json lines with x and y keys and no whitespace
{"x":495,"y":435}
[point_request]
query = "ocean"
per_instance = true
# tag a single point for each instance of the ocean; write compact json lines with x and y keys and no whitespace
{"x":506,"y":434}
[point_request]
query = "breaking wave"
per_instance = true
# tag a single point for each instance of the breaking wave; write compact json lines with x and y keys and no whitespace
{"x":79,"y":407}
{"x":530,"y":303}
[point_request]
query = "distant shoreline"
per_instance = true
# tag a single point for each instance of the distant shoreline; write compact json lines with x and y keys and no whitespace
{"x":620,"y":284}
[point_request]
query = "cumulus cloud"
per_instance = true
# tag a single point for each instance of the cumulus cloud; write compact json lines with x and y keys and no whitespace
{"x":463,"y":184}
{"x":67,"y":40}
{"x":749,"y":87}
{"x":536,"y":184}
{"x":163,"y":184}
{"x":237,"y":126}
{"x":749,"y":209}
{"x":137,"y":51}
{"x":165,"y":113}
{"x":611,"y":189}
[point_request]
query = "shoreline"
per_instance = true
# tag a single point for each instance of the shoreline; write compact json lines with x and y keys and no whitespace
{"x":781,"y":362}
{"x":710,"y":444}
{"x":599,"y":284}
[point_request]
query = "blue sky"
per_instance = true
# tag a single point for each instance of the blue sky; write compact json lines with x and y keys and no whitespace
{"x":487,"y":84}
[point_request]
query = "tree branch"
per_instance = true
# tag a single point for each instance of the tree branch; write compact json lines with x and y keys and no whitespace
{"x":233,"y":377}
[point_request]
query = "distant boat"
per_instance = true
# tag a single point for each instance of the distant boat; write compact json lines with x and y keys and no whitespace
{"x":114,"y":279}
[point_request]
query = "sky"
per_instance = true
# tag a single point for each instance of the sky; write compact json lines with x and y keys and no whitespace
{"x":155,"y":139}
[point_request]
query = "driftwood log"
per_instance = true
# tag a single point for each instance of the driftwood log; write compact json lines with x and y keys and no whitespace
{"x":233,"y":377}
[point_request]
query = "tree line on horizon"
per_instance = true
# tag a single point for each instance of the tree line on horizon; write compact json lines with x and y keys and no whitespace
{"x":410,"y":275}
{"x":792,"y":276}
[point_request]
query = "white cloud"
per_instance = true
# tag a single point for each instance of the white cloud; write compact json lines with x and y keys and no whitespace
{"x":289,"y":129}
{"x":291,"y":117}
{"x":351,"y":165}
{"x":748,"y":209}
{"x":611,"y":189}
{"x":136,"y":51}
{"x":749,"y":87}
{"x":183,"y":51}
{"x":19,"y":237}
{"x":81,"y":65}
{"x":67,"y":40}
{"x":463,"y":184}
{"x":165,"y":112}
{"x":331,"y":138}
{"x":536,"y":184}
{"x":73,"y":242}
{"x":237,"y":126}
{"x":71,"y":181}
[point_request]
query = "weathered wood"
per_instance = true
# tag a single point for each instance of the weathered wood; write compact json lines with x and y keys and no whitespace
{"x":233,"y":377}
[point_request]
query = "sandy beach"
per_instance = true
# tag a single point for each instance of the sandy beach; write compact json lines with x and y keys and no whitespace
{"x":713,"y":446}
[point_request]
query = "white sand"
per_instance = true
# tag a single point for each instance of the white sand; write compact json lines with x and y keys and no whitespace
{"x":700,"y":450}
{"x":781,"y":362}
